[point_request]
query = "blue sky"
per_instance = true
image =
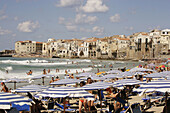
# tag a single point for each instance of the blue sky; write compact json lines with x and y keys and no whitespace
{"x":66,"y":19}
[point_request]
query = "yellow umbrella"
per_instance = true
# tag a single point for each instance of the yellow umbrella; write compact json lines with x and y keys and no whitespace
{"x":100,"y":73}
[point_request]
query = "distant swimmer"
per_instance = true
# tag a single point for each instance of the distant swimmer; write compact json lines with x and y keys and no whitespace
{"x":48,"y":70}
{"x":44,"y":72}
{"x":29,"y":73}
{"x":6,"y":71}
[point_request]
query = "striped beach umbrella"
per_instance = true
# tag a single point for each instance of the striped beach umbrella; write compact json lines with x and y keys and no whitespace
{"x":135,"y":69}
{"x":93,"y":78}
{"x":41,"y":77}
{"x":112,"y":76}
{"x":64,"y":91}
{"x":85,"y":74}
{"x":65,"y":81}
{"x":128,"y":82}
{"x":113,"y":71}
{"x":155,"y":75}
{"x":9,"y":99}
{"x":15,"y":80}
{"x":160,"y":86}
{"x":97,"y":86}
{"x":30,"y":88}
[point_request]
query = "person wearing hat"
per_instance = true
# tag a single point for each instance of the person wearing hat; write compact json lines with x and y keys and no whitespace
{"x":4,"y":87}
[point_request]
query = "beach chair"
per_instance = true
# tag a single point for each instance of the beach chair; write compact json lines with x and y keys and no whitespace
{"x":134,"y":108}
{"x":61,"y":108}
{"x":49,"y":108}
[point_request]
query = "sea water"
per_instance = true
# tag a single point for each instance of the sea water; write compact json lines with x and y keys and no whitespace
{"x":18,"y":67}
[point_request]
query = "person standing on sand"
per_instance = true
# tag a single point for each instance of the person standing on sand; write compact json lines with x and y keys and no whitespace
{"x":44,"y":72}
{"x":4,"y":87}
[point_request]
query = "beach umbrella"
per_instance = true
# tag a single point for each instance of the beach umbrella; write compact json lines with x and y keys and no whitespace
{"x":15,"y":80}
{"x":151,"y":65}
{"x":8,"y":100}
{"x":112,"y":76}
{"x":113,"y":71}
{"x":65,"y":81}
{"x":126,"y":74}
{"x":160,"y":86}
{"x":135,"y":69}
{"x":127,"y":82}
{"x":63,"y":92}
{"x":93,"y":78}
{"x":155,"y":75}
{"x":85,"y":74}
{"x":30,"y":88}
{"x":97,"y":86}
{"x":41,"y":77}
{"x":100,"y":73}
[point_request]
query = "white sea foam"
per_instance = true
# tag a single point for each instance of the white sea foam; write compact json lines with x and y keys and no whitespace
{"x":34,"y":62}
{"x":9,"y":68}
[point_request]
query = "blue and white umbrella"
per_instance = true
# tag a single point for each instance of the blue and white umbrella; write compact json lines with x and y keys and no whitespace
{"x":41,"y":77}
{"x":64,"y":91}
{"x":93,"y":78}
{"x":65,"y":81}
{"x":30,"y":88}
{"x":160,"y":86}
{"x":128,"y":82}
{"x":97,"y":86}
{"x":8,"y":99}
{"x":135,"y":69}
{"x":127,"y":74}
{"x":155,"y":75}
{"x":112,"y":76}
{"x":113,"y":71}
{"x":15,"y":80}
{"x":85,"y":74}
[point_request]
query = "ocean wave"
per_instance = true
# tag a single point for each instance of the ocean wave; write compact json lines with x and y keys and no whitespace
{"x":23,"y":75}
{"x":34,"y":62}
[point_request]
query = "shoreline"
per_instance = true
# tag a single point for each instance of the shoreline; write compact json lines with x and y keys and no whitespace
{"x":113,"y":59}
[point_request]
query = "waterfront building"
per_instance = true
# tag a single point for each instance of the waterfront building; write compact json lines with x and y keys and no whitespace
{"x":165,"y":41}
{"x":28,"y":47}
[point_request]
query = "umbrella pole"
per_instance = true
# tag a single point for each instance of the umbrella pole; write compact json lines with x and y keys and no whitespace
{"x":15,"y":85}
{"x":166,"y":96}
{"x":43,"y":80}
{"x":101,"y":100}
{"x":64,"y":99}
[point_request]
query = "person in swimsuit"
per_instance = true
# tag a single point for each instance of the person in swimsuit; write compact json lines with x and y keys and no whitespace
{"x":82,"y":101}
{"x":4,"y":87}
{"x":29,"y":73}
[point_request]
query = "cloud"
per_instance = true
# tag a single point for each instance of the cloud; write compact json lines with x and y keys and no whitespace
{"x":14,"y":35}
{"x":93,"y":6}
{"x":71,"y":28}
{"x":129,"y":28}
{"x":98,"y":30}
{"x":16,"y":18}
{"x":83,"y":18}
{"x":3,"y":17}
{"x":4,"y":31}
{"x":68,"y":3}
{"x":27,"y":26}
{"x":115,"y":18}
